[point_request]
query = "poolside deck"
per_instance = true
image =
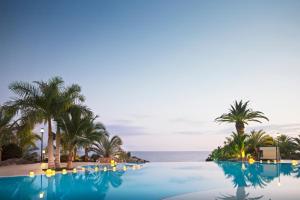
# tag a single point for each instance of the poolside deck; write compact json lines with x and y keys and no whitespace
{"x":20,"y":170}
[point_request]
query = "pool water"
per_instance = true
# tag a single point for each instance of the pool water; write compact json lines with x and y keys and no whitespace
{"x":172,"y":181}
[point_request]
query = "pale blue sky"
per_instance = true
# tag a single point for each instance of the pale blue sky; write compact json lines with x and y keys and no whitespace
{"x":158,"y":72}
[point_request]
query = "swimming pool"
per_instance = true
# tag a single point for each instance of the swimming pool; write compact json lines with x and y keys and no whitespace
{"x":173,"y":181}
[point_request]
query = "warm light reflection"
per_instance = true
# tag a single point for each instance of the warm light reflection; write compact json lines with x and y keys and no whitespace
{"x":41,"y":195}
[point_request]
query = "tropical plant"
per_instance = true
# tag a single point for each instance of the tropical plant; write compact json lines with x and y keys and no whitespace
{"x":241,"y":114}
{"x":297,"y":142}
{"x":26,"y":139}
{"x":258,"y":139}
{"x":74,"y":125}
{"x":286,"y":146}
{"x":43,"y":102}
{"x":108,"y":148}
{"x":93,"y":132}
{"x":6,"y":128}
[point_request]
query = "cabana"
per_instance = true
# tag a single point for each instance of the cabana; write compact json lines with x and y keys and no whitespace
{"x":269,"y":153}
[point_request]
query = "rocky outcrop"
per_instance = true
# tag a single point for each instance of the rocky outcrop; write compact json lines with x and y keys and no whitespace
{"x":135,"y":159}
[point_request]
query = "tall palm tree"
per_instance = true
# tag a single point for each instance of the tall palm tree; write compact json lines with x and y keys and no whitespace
{"x":108,"y":148}
{"x":6,"y":128}
{"x":241,"y":114}
{"x":74,"y":125}
{"x":42,"y":102}
{"x":258,"y":139}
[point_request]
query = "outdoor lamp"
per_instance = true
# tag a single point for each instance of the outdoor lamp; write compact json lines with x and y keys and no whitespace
{"x":105,"y":169}
{"x":114,"y":169}
{"x":124,"y":168}
{"x":64,"y":171}
{"x":74,"y":170}
{"x":96,"y":169}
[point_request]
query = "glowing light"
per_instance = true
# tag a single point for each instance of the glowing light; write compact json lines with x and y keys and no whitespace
{"x":260,"y":161}
{"x":275,"y":161}
{"x":74,"y":170}
{"x":43,"y":165}
{"x":105,"y":169}
{"x":53,"y":172}
{"x":251,"y":161}
{"x":114,"y":169}
{"x":279,"y":184}
{"x":124,"y":168}
{"x":243,"y":167}
{"x":31,"y":174}
{"x":268,"y":162}
{"x":43,"y":151}
{"x":83,"y":169}
{"x":64,"y":171}
{"x":243,"y":154}
{"x":294,"y":162}
{"x":41,"y":195}
{"x":96,"y":169}
{"x":133,"y":167}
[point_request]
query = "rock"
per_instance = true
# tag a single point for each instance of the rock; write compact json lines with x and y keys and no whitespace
{"x":135,"y":159}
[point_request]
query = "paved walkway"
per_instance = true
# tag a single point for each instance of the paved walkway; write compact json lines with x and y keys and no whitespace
{"x":19,"y":170}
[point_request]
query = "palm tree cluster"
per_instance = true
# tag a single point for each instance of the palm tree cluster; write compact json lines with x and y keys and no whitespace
{"x":62,"y":109}
{"x":241,"y":145}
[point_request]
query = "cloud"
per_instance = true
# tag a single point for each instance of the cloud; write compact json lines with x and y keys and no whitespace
{"x":190,"y":132}
{"x":125,"y":130}
{"x":293,"y":128}
{"x":187,"y":121}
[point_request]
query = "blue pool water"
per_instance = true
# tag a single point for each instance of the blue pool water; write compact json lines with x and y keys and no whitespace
{"x":173,"y":181}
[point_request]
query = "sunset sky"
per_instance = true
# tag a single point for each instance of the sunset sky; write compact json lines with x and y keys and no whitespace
{"x":159,"y":72}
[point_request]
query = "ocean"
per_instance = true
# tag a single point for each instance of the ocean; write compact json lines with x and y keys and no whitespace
{"x":172,"y":156}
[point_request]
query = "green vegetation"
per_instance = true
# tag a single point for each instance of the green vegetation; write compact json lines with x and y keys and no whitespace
{"x":58,"y":106}
{"x":240,"y":145}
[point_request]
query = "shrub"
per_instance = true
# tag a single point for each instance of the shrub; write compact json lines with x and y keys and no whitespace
{"x":11,"y":151}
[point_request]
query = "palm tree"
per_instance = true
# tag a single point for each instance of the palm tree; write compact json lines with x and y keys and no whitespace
{"x":67,"y":98}
{"x":6,"y":128}
{"x":26,"y":139}
{"x":297,"y":142}
{"x":258,"y":139}
{"x":108,"y":148}
{"x":286,"y":145}
{"x":241,"y":114}
{"x":93,"y":133}
{"x":238,"y":144}
{"x":43,"y":102}
{"x":74,"y":125}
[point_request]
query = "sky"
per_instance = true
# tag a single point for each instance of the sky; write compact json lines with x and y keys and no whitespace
{"x":159,"y":72}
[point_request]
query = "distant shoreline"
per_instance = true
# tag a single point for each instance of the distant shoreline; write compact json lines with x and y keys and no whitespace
{"x":172,"y":156}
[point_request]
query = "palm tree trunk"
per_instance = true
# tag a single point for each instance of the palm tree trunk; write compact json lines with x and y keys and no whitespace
{"x":51,"y":163}
{"x":57,"y":151}
{"x":86,"y":154}
{"x":240,"y":127}
{"x":70,"y":159}
{"x":0,"y":154}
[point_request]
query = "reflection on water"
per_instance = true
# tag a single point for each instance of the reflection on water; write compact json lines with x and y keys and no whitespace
{"x":69,"y":186}
{"x":244,"y":175}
